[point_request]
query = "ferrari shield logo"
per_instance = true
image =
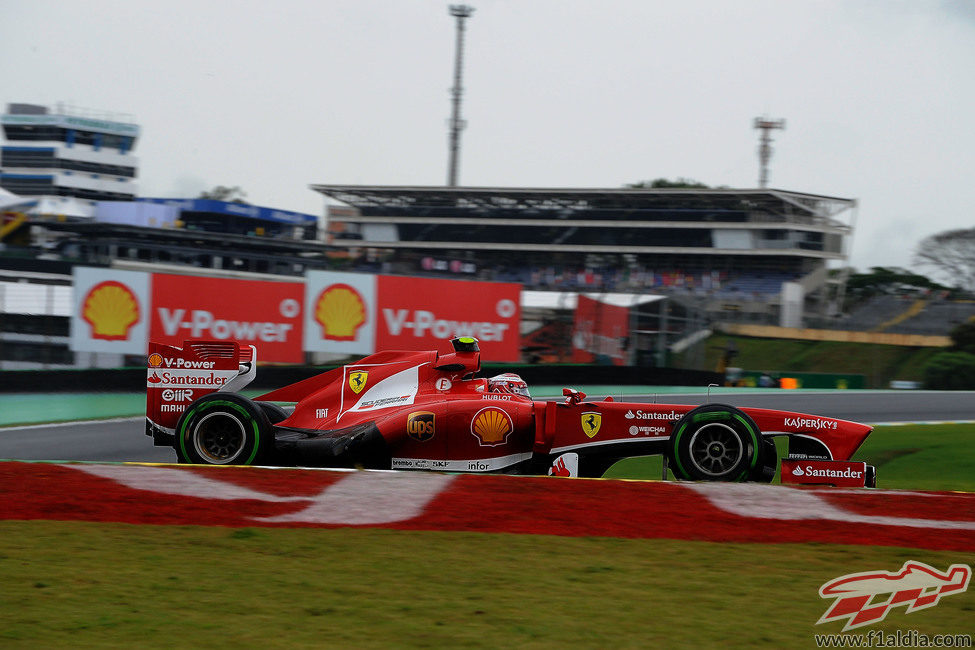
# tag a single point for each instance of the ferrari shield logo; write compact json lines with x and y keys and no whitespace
{"x":591,"y":420}
{"x":357,"y":381}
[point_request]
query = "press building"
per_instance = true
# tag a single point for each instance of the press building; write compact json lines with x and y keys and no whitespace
{"x":68,"y":159}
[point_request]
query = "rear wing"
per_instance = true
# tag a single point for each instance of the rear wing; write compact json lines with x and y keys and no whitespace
{"x":177,"y":376}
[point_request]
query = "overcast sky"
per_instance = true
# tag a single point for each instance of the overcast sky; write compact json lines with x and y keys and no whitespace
{"x":878,"y":96}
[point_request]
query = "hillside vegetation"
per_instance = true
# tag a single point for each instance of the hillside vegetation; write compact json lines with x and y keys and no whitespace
{"x":880,"y":364}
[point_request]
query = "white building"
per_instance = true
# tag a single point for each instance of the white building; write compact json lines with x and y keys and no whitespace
{"x":67,"y":159}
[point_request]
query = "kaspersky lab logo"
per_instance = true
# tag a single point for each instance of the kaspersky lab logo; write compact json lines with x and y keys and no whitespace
{"x":341,"y":311}
{"x":916,"y":586}
{"x":111,"y":309}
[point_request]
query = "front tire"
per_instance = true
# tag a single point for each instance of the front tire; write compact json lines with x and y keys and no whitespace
{"x":223,"y":429}
{"x":716,"y":442}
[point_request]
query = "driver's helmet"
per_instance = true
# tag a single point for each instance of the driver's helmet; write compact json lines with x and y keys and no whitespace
{"x":508,"y":382}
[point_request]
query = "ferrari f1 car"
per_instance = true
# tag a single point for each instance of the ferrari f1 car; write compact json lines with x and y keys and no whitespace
{"x":427,"y":411}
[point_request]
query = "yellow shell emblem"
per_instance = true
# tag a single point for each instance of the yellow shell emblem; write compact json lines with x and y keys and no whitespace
{"x":111,"y":309}
{"x":357,"y":380}
{"x":591,"y":421}
{"x":491,"y":426}
{"x":340,"y":311}
{"x":155,"y":360}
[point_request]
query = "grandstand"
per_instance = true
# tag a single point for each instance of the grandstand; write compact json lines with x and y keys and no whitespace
{"x":908,"y":314}
{"x":727,"y":251}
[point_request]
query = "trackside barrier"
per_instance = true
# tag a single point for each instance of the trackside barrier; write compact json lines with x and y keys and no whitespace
{"x":717,"y":512}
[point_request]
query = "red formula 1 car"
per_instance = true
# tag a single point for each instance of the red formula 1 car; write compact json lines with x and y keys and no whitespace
{"x":425,"y":410}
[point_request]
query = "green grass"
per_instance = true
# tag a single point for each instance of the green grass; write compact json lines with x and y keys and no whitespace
{"x":84,"y":585}
{"x":879,"y":363}
{"x":930,"y":457}
{"x":909,"y":457}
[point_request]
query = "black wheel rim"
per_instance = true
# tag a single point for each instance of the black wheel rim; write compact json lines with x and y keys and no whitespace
{"x":716,"y":449}
{"x":219,"y":438}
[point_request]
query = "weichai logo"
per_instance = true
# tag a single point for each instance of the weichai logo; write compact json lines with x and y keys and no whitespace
{"x":341,"y":311}
{"x":491,"y":426}
{"x":421,"y":425}
{"x":111,"y":309}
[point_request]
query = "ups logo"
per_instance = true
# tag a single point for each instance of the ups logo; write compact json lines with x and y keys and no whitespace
{"x":421,"y":425}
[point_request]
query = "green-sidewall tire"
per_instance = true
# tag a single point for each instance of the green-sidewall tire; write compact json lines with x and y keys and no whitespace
{"x":273,"y":412}
{"x":223,"y":429}
{"x":766,"y":470}
{"x":716,"y":442}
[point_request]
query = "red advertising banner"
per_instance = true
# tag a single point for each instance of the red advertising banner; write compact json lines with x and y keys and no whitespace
{"x":259,"y":312}
{"x":424,"y":313}
{"x":600,"y":331}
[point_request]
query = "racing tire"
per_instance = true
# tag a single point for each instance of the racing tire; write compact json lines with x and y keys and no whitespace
{"x":765,"y":472}
{"x":223,"y":429}
{"x":273,"y":412}
{"x":716,"y":442}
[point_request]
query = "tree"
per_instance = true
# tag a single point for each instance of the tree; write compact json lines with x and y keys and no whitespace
{"x":963,"y":338}
{"x":885,"y":280}
{"x":663,"y":183}
{"x":953,"y":369}
{"x":223,"y":193}
{"x":952,"y":253}
{"x":950,"y":371}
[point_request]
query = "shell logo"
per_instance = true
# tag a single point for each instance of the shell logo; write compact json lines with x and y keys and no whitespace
{"x":111,"y":309}
{"x":341,"y":311}
{"x":491,"y":426}
{"x":155,"y":360}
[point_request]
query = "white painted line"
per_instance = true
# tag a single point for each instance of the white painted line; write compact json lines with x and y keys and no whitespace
{"x":71,"y":423}
{"x":776,"y":502}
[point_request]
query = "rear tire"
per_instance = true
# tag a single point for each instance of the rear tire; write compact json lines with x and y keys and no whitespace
{"x":223,"y":429}
{"x":716,"y":442}
{"x":273,"y":412}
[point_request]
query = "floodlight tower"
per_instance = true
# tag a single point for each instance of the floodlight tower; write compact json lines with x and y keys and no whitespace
{"x":765,"y":145}
{"x":461,"y":13}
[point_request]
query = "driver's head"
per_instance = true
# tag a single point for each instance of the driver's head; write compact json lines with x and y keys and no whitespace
{"x":508,"y":382}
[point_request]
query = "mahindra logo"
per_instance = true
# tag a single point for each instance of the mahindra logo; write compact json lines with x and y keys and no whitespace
{"x":916,"y":586}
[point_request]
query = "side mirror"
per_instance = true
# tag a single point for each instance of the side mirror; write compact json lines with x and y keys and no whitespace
{"x":573,"y":396}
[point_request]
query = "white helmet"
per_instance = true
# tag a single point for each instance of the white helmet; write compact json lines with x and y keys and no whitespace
{"x":508,"y":382}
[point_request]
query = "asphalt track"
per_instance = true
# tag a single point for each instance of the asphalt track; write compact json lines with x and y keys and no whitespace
{"x":123,"y":439}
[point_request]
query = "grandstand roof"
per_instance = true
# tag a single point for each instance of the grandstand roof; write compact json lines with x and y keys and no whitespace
{"x":768,"y":200}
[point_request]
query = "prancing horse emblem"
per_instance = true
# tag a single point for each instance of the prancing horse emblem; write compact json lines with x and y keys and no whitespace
{"x":591,"y":420}
{"x":357,"y":381}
